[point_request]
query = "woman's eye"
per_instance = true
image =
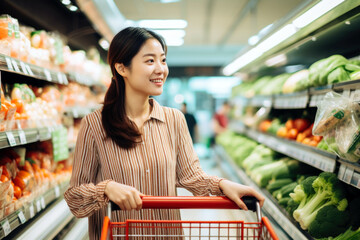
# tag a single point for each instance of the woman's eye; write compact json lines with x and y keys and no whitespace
{"x":150,"y":61}
{"x":164,"y":60}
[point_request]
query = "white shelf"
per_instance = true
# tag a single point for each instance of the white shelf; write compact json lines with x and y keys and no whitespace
{"x":16,"y":66}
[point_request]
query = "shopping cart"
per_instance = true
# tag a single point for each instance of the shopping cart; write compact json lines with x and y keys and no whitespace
{"x":162,"y":229}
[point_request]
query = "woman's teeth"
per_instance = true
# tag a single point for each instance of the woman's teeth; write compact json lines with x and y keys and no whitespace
{"x":156,"y":80}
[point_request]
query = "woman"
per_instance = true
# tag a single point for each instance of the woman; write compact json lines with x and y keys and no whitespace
{"x":133,"y":146}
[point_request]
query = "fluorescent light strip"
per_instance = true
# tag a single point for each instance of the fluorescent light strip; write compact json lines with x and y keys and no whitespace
{"x":315,"y":12}
{"x":163,"y":24}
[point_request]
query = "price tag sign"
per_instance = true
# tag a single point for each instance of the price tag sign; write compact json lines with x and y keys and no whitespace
{"x":32,"y":211}
{"x":29,"y":70}
{"x":11,"y":138}
{"x":21,"y":217}
{"x":57,"y":191}
{"x":6,"y":227}
{"x":356,"y":95}
{"x":8,"y":63}
{"x":16,"y":68}
{"x":23,"y":68}
{"x":60,"y":78}
{"x":22,"y":137}
{"x":348,"y":175}
{"x":42,"y":202}
{"x":38,"y":205}
{"x":47,"y":74}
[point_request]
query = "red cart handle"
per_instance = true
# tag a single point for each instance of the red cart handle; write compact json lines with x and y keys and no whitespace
{"x":192,"y":202}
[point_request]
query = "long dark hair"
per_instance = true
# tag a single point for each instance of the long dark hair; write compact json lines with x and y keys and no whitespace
{"x":124,"y":46}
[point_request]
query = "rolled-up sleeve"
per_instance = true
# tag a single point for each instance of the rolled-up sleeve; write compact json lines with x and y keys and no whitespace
{"x":83,"y":196}
{"x":188,"y":171}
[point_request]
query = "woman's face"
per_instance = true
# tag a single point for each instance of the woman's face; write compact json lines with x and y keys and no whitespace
{"x":148,"y":70}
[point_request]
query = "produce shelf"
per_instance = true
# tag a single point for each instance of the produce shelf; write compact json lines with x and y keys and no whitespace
{"x":16,"y":66}
{"x":350,"y":173}
{"x":312,"y":156}
{"x":303,"y":99}
{"x":269,"y":206}
{"x":293,"y":100}
{"x":82,"y":79}
{"x":20,"y":137}
{"x":80,"y":112}
{"x":30,"y":210}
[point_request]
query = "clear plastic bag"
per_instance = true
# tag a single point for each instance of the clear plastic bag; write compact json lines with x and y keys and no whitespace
{"x":337,"y":120}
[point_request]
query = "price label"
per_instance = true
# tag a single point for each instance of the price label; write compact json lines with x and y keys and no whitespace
{"x":356,"y":95}
{"x":42,"y":202}
{"x":22,"y":137}
{"x":38,"y":205}
{"x":6,"y":227}
{"x":21,"y":217}
{"x":32,"y":210}
{"x":8,"y":63}
{"x":75,"y":113}
{"x":341,"y":171}
{"x":57,"y":191}
{"x":358,"y":184}
{"x":348,"y":175}
{"x":47,"y":74}
{"x":11,"y":138}
{"x":346,"y":93}
{"x":29,"y":70}
{"x":23,"y":68}
{"x":16,"y":68}
{"x":60,"y":78}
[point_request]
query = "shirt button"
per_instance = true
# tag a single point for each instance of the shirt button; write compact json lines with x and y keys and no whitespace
{"x":147,"y":171}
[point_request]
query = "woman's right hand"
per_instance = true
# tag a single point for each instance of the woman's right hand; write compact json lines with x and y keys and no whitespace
{"x":126,"y":197}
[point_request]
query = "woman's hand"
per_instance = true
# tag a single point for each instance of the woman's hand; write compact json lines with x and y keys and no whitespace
{"x":236,"y":191}
{"x":126,"y":197}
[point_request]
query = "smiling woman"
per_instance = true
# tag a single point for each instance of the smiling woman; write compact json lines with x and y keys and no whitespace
{"x":135,"y":147}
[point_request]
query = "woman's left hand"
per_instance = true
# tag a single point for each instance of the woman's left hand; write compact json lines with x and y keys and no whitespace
{"x":236,"y":191}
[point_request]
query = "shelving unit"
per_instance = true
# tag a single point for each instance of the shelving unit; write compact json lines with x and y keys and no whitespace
{"x":303,"y":99}
{"x":269,"y":207}
{"x":31,"y":209}
{"x":348,"y":172}
{"x":20,"y":137}
{"x":16,"y":66}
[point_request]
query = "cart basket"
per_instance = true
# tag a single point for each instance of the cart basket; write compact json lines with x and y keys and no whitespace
{"x":181,"y":230}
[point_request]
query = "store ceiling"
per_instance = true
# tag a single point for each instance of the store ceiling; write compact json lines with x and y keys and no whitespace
{"x":217,"y":30}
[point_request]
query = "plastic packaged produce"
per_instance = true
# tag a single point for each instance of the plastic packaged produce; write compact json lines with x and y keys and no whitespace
{"x":337,"y":120}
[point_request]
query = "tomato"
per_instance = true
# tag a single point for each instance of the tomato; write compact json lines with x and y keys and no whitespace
{"x":264,"y":125}
{"x":19,"y":105}
{"x":292,"y":133}
{"x":4,"y":178}
{"x":23,"y":180}
{"x":282,"y":132}
{"x":301,"y":124}
{"x":17,"y":192}
{"x":289,"y":124}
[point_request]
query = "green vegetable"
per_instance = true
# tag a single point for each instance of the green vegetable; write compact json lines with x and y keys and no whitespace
{"x":329,"y":222}
{"x":291,"y":206}
{"x":328,"y":191}
{"x":352,"y":67}
{"x":260,"y":152}
{"x":277,"y":184}
{"x":286,"y":190}
{"x":292,"y":84}
{"x":284,"y":168}
{"x":355,"y":75}
{"x":284,"y":202}
{"x":348,"y":235}
{"x":338,"y":75}
{"x":274,"y":127}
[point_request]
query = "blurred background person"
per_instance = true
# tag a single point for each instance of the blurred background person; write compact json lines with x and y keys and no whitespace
{"x":220,"y":121}
{"x":191,"y":123}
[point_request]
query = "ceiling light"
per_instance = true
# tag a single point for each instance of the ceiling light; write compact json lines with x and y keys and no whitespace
{"x":241,"y":61}
{"x":104,"y":44}
{"x":315,"y":12}
{"x":66,"y":2}
{"x":171,"y":33}
{"x":163,"y":24}
{"x":277,"y":38}
{"x":72,"y":8}
{"x":174,"y":41}
{"x":169,"y":1}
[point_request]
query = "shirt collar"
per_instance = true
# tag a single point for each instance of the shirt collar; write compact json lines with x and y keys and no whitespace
{"x":157,"y":111}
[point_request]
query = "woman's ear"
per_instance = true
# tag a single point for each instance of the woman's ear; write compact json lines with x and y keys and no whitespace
{"x":120,"y":69}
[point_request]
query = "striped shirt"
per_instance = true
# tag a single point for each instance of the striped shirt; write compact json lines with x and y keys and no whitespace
{"x":164,"y":160}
